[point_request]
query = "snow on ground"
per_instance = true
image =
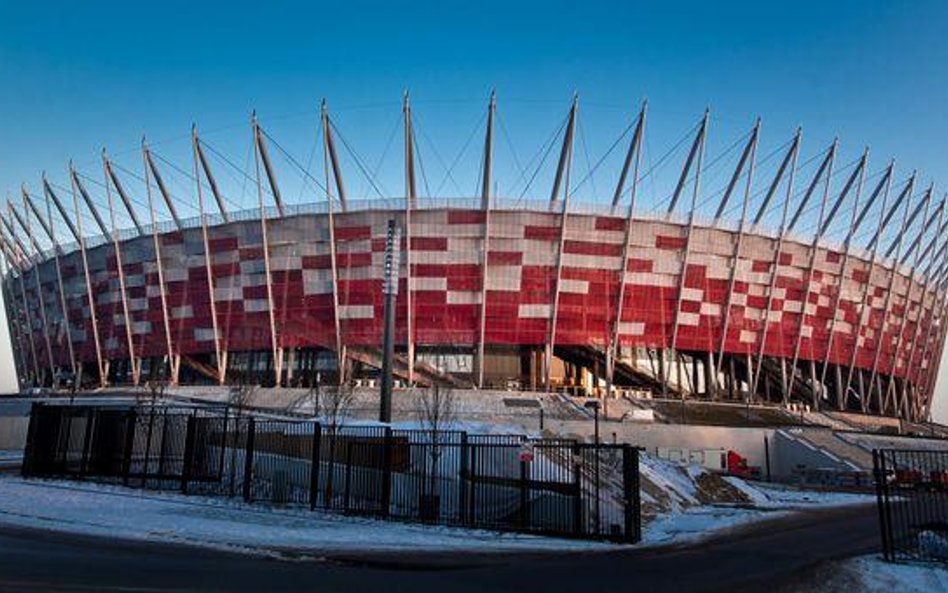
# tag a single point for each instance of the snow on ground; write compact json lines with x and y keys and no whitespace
{"x":117,"y":512}
{"x":871,"y":574}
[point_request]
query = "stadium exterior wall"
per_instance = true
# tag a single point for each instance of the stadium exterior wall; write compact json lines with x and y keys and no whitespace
{"x":525,"y":248}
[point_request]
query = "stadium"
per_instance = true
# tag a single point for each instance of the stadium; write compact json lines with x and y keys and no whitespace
{"x":730,"y":302}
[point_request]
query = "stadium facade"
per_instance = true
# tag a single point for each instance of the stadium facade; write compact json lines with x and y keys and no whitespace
{"x":495,"y":292}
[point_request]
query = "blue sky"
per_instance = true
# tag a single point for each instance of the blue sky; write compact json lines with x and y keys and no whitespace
{"x":75,"y":77}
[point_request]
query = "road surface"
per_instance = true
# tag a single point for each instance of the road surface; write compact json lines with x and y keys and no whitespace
{"x":769,"y":556}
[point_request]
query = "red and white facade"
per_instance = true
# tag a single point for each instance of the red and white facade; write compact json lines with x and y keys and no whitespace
{"x":516,"y":264}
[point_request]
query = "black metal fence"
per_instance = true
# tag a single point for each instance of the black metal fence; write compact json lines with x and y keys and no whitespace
{"x":912,"y":493}
{"x":501,"y":482}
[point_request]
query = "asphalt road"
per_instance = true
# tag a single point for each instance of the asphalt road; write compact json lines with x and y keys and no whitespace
{"x":768,"y":557}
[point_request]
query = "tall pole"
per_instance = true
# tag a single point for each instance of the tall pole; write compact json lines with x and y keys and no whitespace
{"x":910,"y":188}
{"x":101,"y":365}
{"x":329,"y":156}
{"x":410,"y":197}
{"x":811,"y":267}
{"x":274,"y":339}
{"x":790,"y":160}
{"x":864,"y":310}
{"x":389,"y":293}
{"x":841,"y":282}
{"x":485,"y":243}
{"x":749,"y":156}
{"x":219,"y":353}
{"x":47,"y":226}
{"x":149,"y":169}
{"x":633,"y":160}
{"x":133,"y":360}
{"x":41,"y":302}
{"x":906,"y":305}
{"x":562,"y":177}
{"x":676,"y":322}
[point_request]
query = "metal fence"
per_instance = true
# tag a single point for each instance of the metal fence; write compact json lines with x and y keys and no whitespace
{"x":501,"y":482}
{"x":912,"y":493}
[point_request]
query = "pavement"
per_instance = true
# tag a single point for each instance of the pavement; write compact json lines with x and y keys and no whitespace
{"x":771,"y":556}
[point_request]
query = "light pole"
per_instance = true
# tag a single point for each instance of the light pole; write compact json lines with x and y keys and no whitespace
{"x":593,"y":405}
{"x":390,"y":290}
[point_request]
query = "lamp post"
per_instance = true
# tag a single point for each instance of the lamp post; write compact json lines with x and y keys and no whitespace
{"x":390,"y":290}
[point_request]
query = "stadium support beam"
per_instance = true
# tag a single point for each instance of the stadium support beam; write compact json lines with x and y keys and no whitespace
{"x":633,"y":158}
{"x":630,"y":157}
{"x":808,"y":279}
{"x":258,"y":153}
{"x":263,"y":157}
{"x":89,"y":203}
{"x":906,"y":304}
{"x":330,"y":148}
{"x":208,"y":173}
{"x":47,"y":225}
{"x":566,"y":155}
{"x":909,"y":189}
{"x":101,"y":364}
{"x":41,"y":302}
{"x":933,"y":283}
{"x":790,"y":160}
{"x":748,"y":156}
{"x":686,"y":170}
{"x":329,"y":156}
{"x":24,"y":252}
{"x":485,"y":243}
{"x":133,"y":360}
{"x":197,"y":162}
{"x":562,"y":178}
{"x":827,"y":163}
{"x":908,"y":225}
{"x":749,"y":148}
{"x":911,"y":413}
{"x":676,"y":323}
{"x":886,"y":184}
{"x":25,"y":309}
{"x":48,"y":190}
{"x":840,"y":283}
{"x":110,"y":174}
{"x":13,"y":313}
{"x":927,"y":383}
{"x":920,"y":236}
{"x":148,"y":165}
{"x":410,"y":198}
{"x":162,"y":188}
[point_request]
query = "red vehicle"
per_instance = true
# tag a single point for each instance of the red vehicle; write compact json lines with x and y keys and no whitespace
{"x":908,"y":478}
{"x":737,"y":466}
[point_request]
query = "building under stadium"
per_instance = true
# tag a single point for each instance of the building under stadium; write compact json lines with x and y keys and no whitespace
{"x":495,"y":292}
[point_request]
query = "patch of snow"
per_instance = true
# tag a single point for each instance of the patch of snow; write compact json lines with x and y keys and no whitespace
{"x":871,"y":574}
{"x":124,"y":513}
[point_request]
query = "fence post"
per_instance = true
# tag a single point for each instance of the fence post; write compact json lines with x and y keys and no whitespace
{"x":471,"y":502}
{"x":248,"y":460}
{"x":879,"y":473}
{"x":345,"y":504}
{"x":524,"y":498}
{"x":577,"y":463}
{"x":462,"y":477}
{"x":86,"y":442}
{"x":129,"y":443}
{"x":387,"y":472}
{"x":188,"y":453}
{"x":631,"y":493}
{"x":314,"y":466}
{"x":29,"y":449}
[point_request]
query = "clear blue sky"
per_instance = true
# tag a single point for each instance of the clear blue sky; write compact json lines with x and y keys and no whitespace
{"x":75,"y":77}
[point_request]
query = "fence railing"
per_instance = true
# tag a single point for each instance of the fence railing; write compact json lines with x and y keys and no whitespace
{"x":501,"y":482}
{"x":912,"y":493}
